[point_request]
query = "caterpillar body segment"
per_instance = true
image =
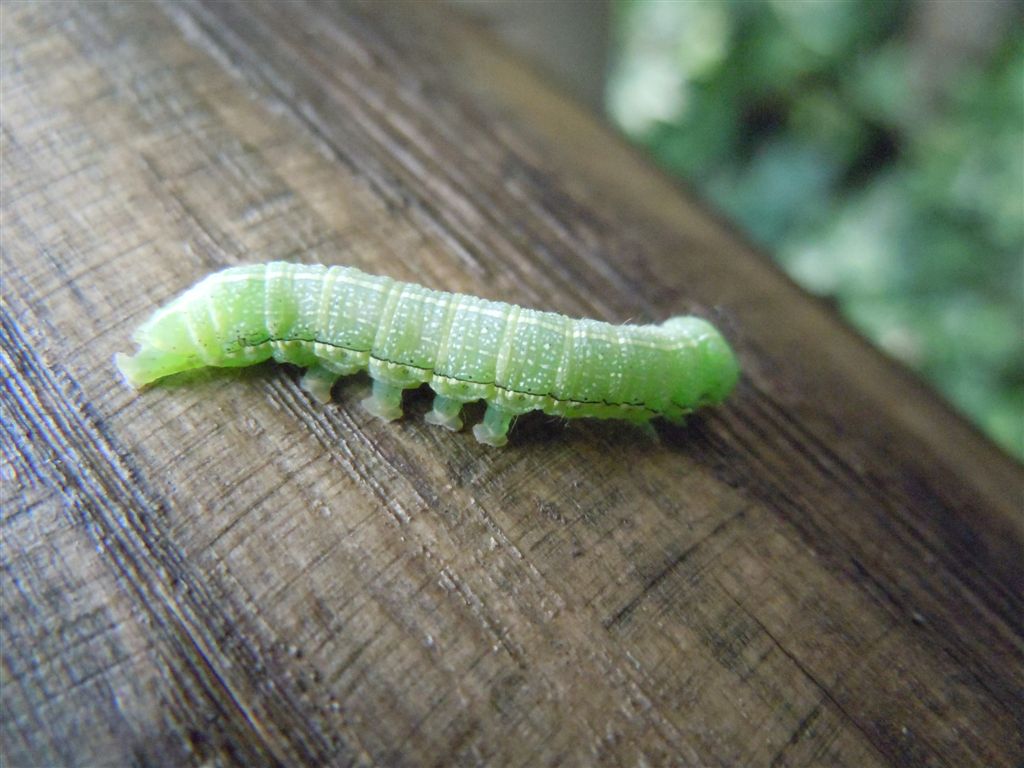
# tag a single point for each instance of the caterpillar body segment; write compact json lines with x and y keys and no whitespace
{"x":335,"y":321}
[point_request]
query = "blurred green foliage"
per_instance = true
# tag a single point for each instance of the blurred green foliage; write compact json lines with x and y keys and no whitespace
{"x":822,"y":128}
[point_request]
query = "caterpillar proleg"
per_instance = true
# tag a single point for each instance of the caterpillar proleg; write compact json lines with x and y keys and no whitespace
{"x":335,"y":321}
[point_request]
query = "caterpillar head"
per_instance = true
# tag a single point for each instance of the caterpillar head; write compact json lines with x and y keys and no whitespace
{"x":711,"y":369}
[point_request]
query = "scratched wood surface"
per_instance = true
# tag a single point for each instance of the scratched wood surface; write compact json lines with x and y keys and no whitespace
{"x":220,"y":571}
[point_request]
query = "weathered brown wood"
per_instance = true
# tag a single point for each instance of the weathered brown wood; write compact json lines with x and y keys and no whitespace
{"x":828,"y":571}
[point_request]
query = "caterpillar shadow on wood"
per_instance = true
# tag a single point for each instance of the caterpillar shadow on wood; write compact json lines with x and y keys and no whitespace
{"x":336,"y":321}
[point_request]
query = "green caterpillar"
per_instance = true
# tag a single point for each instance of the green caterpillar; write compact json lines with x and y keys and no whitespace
{"x":337,"y":321}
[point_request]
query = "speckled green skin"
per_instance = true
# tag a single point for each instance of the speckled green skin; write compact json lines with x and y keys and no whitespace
{"x":338,"y":320}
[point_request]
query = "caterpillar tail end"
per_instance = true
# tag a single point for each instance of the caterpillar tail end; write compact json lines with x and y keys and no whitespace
{"x":148,"y":365}
{"x":165,"y":344}
{"x":134,"y":370}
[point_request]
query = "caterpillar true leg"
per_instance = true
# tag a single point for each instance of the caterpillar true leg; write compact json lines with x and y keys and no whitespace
{"x":385,"y":402}
{"x":446,"y":413}
{"x":319,"y":381}
{"x":493,"y":430}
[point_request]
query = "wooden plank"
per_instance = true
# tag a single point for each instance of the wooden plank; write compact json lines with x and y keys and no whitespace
{"x":222,"y":571}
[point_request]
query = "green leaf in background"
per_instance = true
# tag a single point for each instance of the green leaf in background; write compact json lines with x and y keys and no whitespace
{"x":877,"y":149}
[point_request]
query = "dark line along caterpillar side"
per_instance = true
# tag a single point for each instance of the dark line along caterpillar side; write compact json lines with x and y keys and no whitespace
{"x":337,"y":321}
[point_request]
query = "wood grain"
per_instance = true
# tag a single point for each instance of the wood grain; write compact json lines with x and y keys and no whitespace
{"x":220,"y":571}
